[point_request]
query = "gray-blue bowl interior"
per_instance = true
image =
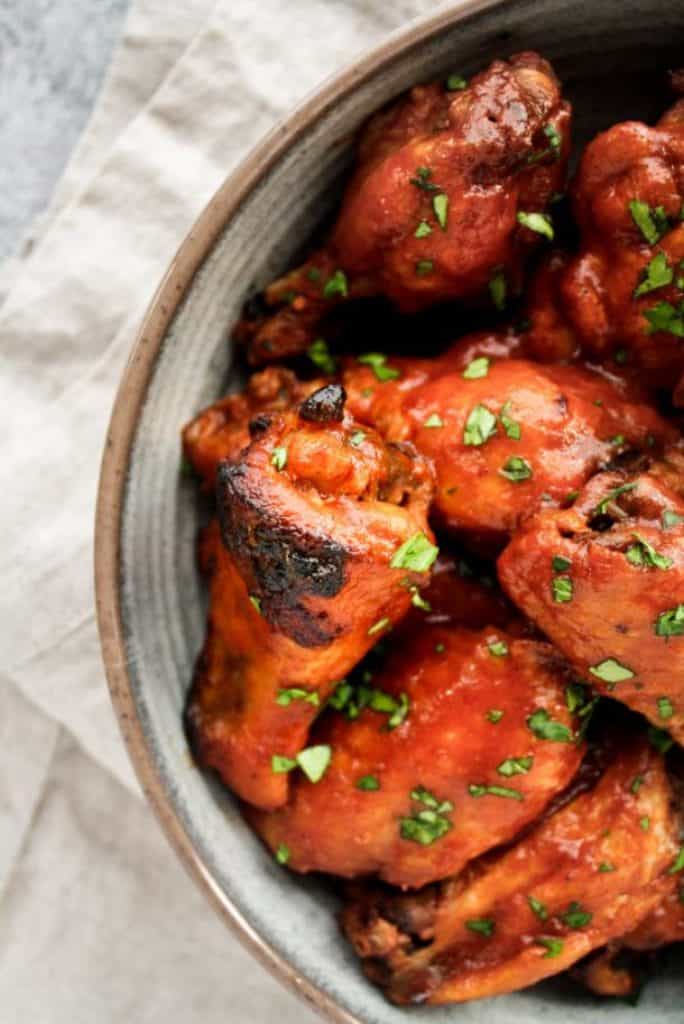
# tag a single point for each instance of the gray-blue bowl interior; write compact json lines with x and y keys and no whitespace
{"x":612,"y":57}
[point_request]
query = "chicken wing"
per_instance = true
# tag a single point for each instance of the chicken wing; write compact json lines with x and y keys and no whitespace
{"x":604,"y":580}
{"x":447,"y":200}
{"x":482,"y":740}
{"x":585,"y":874}
{"x":326,"y":541}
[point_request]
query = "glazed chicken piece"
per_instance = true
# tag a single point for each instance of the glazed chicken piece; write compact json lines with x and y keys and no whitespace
{"x":459,"y":741}
{"x":622,"y":297}
{"x":325,"y":542}
{"x":604,"y":580}
{"x":221,"y":431}
{"x":446,"y":202}
{"x":503,"y":435}
{"x":587,"y":873}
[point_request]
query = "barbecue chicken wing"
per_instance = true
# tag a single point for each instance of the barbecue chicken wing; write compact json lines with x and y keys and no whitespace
{"x":604,"y":580}
{"x":587,"y":873}
{"x":325,"y":543}
{"x":447,"y":200}
{"x":465,"y":765}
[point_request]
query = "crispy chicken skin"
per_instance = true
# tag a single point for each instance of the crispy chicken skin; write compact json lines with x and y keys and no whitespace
{"x":430,"y":213}
{"x":584,"y":875}
{"x":465,"y":742}
{"x":614,"y":603}
{"x":303,"y":586}
{"x":517,"y":435}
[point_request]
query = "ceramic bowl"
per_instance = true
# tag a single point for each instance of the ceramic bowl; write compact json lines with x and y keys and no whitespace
{"x":611,"y":55}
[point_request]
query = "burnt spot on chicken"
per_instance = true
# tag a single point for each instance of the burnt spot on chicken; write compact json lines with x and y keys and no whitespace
{"x":325,"y":405}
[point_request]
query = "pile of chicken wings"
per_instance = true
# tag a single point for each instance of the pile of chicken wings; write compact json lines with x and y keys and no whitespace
{"x":445,"y":648}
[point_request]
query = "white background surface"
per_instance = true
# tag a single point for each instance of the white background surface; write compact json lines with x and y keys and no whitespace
{"x":98,"y":923}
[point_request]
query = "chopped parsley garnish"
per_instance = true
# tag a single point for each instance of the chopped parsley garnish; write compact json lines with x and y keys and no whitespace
{"x":611,"y":671}
{"x":377,"y":361}
{"x":553,"y":149}
{"x":652,"y":223}
{"x":553,"y":947}
{"x":642,"y":553}
{"x":418,"y":601}
{"x":480,"y":426}
{"x":666,"y":317}
{"x":422,"y":180}
{"x":665,"y":708}
{"x":423,"y":230}
{"x":378,"y":626}
{"x":560,"y":564}
{"x":671,"y":622}
{"x":516,"y":469}
{"x":602,"y":507}
{"x":440,"y":204}
{"x":312,"y":760}
{"x":659,"y":739}
{"x":562,"y":589}
{"x":285,"y":697}
{"x":498,"y":648}
{"x":424,"y":267}
{"x":455,"y":83}
{"x":481,"y":925}
{"x":576,"y":916}
{"x":494,"y":715}
{"x":605,"y":867}
{"x":439,"y":648}
{"x":368,"y":783}
{"x":637,"y":783}
{"x":416,"y":554}
{"x":511,"y":427}
{"x":319,"y":354}
{"x":671,"y":519}
{"x":476,"y":368}
{"x":279,"y":458}
{"x":282,"y":854}
{"x":575,"y":697}
{"x":478,"y":790}
{"x":357,"y":438}
{"x":515,"y":766}
{"x":678,"y":864}
{"x":313,"y":274}
{"x":399,"y":713}
{"x":538,"y":908}
{"x":429,"y":824}
{"x":544,"y":727}
{"x":644,"y":823}
{"x":539,"y":222}
{"x":255,"y":602}
{"x":656,"y":274}
{"x":497,"y":290}
{"x":618,"y":440}
{"x":336,"y":285}
{"x":434,"y":420}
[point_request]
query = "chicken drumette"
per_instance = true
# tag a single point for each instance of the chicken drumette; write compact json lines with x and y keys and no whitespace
{"x":447,"y":199}
{"x":325,"y":540}
{"x":586,"y":874}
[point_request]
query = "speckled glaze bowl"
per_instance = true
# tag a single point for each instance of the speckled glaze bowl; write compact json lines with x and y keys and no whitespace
{"x":611,"y":55}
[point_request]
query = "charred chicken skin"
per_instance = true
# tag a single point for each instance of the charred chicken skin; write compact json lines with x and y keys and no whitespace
{"x":604,"y":580}
{"x":585,"y":874}
{"x":325,"y":540}
{"x":448,"y":196}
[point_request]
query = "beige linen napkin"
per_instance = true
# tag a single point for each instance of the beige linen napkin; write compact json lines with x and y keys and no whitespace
{"x":98,"y":922}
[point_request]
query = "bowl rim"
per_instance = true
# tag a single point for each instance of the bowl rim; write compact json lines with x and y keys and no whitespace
{"x":127,"y":407}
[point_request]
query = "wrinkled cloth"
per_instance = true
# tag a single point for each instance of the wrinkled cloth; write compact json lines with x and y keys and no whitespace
{"x":98,"y":921}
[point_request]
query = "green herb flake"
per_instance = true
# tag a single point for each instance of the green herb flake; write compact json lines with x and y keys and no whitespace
{"x":671,"y":519}
{"x":494,"y":715}
{"x":511,"y":427}
{"x":479,"y":789}
{"x":292,"y":693}
{"x":368,"y":783}
{"x":424,"y":267}
{"x":377,"y":361}
{"x":480,"y":426}
{"x":456,"y":83}
{"x":279,"y":458}
{"x":255,"y":602}
{"x":336,"y":285}
{"x":439,"y":648}
{"x":666,"y":317}
{"x":544,"y":728}
{"x":656,"y":274}
{"x":314,"y":761}
{"x":641,"y":553}
{"x":516,"y":469}
{"x":357,"y":438}
{"x":575,"y":697}
{"x":560,"y":564}
{"x":481,"y":926}
{"x":605,"y":867}
{"x":422,"y":180}
{"x":665,"y":708}
{"x":379,"y":626}
{"x":644,"y":823}
{"x":417,"y":554}
{"x":515,"y":766}
{"x":670,"y":622}
{"x":538,"y":222}
{"x":476,"y":368}
{"x":423,"y":230}
{"x":434,"y":420}
{"x":562,"y":589}
{"x":538,"y":908}
{"x":399,"y":713}
{"x":659,"y":739}
{"x":418,"y":601}
{"x":282,"y":854}
{"x":280,"y":765}
{"x":678,"y":864}
{"x":602,"y":507}
{"x":319,"y":354}
{"x":576,"y":916}
{"x":553,"y":947}
{"x":428,"y":825}
{"x":440,"y":205}
{"x":498,"y":648}
{"x":653,"y":224}
{"x":497,"y":290}
{"x":611,"y":671}
{"x":621,"y":356}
